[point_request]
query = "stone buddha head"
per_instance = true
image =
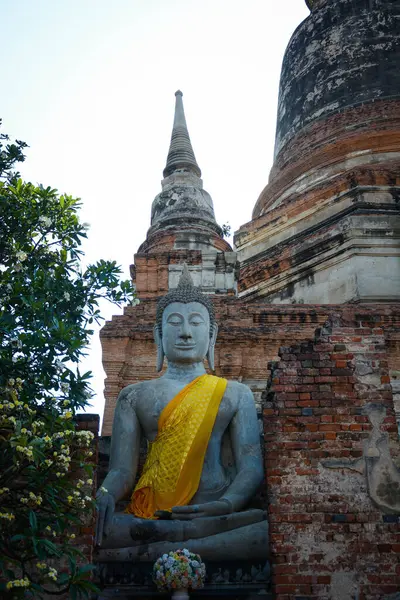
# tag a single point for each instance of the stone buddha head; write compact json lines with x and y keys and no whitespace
{"x":185,"y":330}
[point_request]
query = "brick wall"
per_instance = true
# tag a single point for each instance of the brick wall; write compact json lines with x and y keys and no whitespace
{"x":328,"y":411}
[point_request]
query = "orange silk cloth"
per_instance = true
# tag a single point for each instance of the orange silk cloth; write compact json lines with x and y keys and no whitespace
{"x":172,"y":471}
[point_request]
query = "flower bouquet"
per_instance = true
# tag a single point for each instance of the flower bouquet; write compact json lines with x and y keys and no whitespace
{"x":179,"y":571}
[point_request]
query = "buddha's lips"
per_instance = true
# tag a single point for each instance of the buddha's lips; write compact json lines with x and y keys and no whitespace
{"x":185,"y":346}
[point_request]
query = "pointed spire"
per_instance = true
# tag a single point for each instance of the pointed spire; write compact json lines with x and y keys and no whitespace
{"x":185,"y":280}
{"x":180,"y":153}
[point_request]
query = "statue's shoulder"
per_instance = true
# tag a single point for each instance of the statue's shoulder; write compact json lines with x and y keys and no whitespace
{"x":130,"y":394}
{"x":133,"y":393}
{"x":241,"y":400}
{"x":238,"y":391}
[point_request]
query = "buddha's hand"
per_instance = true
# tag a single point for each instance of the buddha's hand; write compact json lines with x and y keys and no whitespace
{"x":196,"y":511}
{"x":105,"y":506}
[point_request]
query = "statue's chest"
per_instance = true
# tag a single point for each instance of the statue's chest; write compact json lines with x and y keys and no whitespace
{"x":152,"y":406}
{"x":156,"y":400}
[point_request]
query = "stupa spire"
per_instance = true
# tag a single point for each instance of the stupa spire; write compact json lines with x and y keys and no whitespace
{"x":180,"y":155}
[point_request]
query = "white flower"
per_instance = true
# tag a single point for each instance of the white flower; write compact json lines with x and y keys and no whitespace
{"x":7,"y":516}
{"x":67,"y":296}
{"x":15,"y":358}
{"x":21,"y":255}
{"x":104,"y":490}
{"x":52,"y":573}
{"x":65,"y":387}
{"x":45,"y":220}
{"x":67,"y":415}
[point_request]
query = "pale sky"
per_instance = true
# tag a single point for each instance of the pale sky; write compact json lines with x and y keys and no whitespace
{"x":89,"y":85}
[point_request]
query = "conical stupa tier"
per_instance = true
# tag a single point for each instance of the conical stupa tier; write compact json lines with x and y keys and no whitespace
{"x":180,"y":155}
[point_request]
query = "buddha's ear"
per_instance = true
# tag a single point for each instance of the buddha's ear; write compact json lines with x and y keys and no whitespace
{"x":160,"y":350}
{"x":211,"y":346}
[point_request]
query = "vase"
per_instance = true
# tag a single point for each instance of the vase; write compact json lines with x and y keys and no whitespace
{"x":180,"y":594}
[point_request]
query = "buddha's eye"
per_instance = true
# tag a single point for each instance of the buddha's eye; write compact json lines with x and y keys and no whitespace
{"x":174,"y":322}
{"x":196,"y":322}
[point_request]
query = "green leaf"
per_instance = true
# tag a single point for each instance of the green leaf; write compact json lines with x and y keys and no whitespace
{"x":18,"y":537}
{"x":85,"y":569}
{"x":90,"y":586}
{"x":50,"y":547}
{"x":73,"y":592}
{"x":32,"y":520}
{"x":63,"y":578}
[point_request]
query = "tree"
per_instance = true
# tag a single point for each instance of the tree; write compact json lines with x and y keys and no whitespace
{"x":47,"y":306}
{"x":226,"y":230}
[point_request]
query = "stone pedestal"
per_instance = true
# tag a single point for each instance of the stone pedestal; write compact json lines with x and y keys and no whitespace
{"x":240,"y":580}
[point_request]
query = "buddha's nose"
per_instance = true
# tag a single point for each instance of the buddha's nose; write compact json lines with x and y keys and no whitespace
{"x":185,"y":331}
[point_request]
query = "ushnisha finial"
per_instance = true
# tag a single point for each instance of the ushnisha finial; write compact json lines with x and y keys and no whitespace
{"x":180,"y":155}
{"x":185,"y":292}
{"x":185,"y":279}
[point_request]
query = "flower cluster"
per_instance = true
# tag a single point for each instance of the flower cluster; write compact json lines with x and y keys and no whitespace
{"x":40,"y":450}
{"x":14,"y":583}
{"x":179,"y":569}
{"x":7,"y":516}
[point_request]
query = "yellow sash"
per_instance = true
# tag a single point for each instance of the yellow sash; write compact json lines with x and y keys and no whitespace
{"x":173,"y":467}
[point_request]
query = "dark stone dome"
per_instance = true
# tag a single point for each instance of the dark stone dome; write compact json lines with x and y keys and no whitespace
{"x":345,"y":53}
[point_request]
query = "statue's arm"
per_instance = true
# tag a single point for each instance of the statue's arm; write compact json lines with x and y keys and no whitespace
{"x":245,"y":438}
{"x":124,"y":458}
{"x":125,"y":444}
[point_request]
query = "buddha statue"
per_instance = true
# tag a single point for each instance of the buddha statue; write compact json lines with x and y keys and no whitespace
{"x":186,"y":495}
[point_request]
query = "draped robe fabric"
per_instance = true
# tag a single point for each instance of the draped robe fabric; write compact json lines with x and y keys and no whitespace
{"x":172,"y":471}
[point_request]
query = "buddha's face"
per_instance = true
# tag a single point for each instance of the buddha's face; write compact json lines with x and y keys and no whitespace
{"x":185,"y":332}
